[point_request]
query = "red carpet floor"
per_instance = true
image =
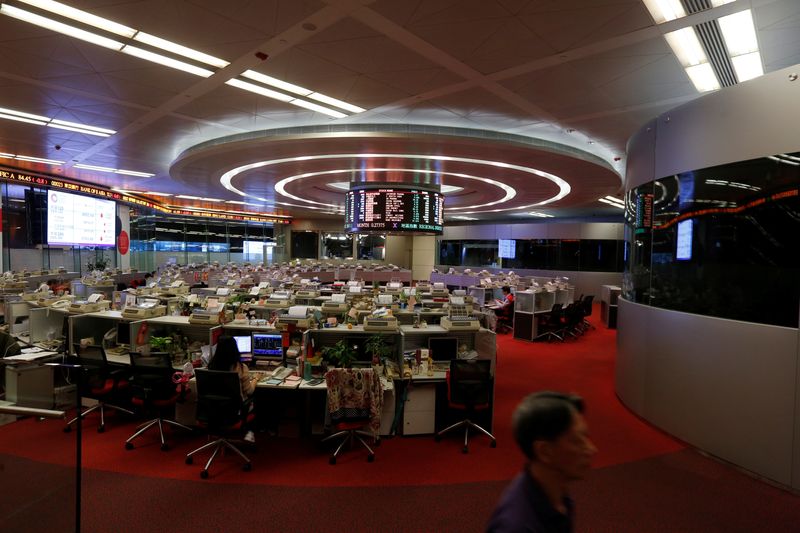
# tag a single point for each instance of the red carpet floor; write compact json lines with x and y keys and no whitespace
{"x":643,"y":479}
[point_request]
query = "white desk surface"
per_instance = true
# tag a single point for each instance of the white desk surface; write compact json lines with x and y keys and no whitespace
{"x":430,"y":328}
{"x":107,"y":314}
{"x":245,"y":326}
{"x":176,"y":321}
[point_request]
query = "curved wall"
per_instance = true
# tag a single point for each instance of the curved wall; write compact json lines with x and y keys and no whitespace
{"x":724,"y":386}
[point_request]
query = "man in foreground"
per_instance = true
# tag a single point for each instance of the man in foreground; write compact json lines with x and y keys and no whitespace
{"x":550,"y":430}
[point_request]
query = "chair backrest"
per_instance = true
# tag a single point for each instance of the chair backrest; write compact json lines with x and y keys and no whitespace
{"x":586,"y":304}
{"x":152,"y":376}
{"x":353,"y":393}
{"x":90,"y":355}
{"x":219,"y":397}
{"x":470,"y":381}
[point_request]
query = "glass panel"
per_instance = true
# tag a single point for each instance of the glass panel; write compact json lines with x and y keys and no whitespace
{"x":305,"y":244}
{"x":337,"y":245}
{"x":372,"y":247}
{"x":722,"y":243}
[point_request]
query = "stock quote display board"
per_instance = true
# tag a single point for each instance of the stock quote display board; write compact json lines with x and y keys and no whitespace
{"x":385,"y":210}
{"x":74,"y":220}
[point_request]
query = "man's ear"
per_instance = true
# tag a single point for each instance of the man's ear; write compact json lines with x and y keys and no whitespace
{"x":542,"y":451}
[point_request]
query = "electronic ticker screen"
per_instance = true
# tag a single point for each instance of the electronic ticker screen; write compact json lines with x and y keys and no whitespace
{"x":74,"y":220}
{"x":387,"y":210}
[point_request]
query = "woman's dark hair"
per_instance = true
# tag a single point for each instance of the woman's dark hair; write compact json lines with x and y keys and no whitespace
{"x":543,"y":416}
{"x":506,"y":289}
{"x":226,"y":355}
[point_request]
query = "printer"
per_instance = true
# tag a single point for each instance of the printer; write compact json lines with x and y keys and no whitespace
{"x":439,"y":290}
{"x":93,"y":304}
{"x":145,"y":309}
{"x":298,"y":315}
{"x":306,"y":294}
{"x":278,"y":300}
{"x":380,"y":323}
{"x":459,"y":319}
{"x":209,"y":317}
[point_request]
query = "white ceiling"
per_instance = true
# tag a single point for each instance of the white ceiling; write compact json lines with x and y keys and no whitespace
{"x":585,"y":74}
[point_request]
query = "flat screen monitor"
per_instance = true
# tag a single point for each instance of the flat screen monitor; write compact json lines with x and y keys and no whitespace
{"x":267,"y":345}
{"x":244,"y":343}
{"x":507,"y":249}
{"x":394,"y":210}
{"x":74,"y":220}
{"x":443,"y":348}
{"x":683,"y":250}
{"x":124,"y":333}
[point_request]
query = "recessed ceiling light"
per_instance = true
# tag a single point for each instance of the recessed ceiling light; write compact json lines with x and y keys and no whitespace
{"x":180,"y":50}
{"x":82,"y":16}
{"x":39,"y":120}
{"x":166,"y":61}
{"x":263,"y":91}
{"x":615,"y":204}
{"x":703,"y":77}
{"x":59,"y":27}
{"x":318,"y":108}
{"x":114,"y":170}
{"x":275,"y":82}
{"x":665,"y":10}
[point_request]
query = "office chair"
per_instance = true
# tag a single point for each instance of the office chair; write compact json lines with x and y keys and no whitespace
{"x":99,"y":381}
{"x":586,"y":305}
{"x":505,"y":320}
{"x":573,"y":318}
{"x":553,"y":326}
{"x":152,"y":388}
{"x":355,"y":401}
{"x":469,"y":388}
{"x":221,"y":410}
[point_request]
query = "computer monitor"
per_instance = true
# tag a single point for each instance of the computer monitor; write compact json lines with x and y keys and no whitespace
{"x":267,"y":346}
{"x":244,"y":343}
{"x":124,"y":333}
{"x":443,"y":348}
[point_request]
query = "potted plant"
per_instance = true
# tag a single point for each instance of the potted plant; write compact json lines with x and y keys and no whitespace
{"x":377,"y":346}
{"x":340,"y":354}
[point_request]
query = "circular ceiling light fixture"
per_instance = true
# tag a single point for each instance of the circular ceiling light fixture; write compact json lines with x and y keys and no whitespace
{"x":345,"y":185}
{"x":226,"y":180}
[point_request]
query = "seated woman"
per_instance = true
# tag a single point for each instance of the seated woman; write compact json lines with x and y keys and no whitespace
{"x":505,"y":312}
{"x":226,"y":358}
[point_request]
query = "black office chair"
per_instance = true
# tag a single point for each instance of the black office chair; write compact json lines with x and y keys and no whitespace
{"x":221,"y":410}
{"x":552,"y":327}
{"x":586,"y":305}
{"x":152,"y":389}
{"x":469,"y":388}
{"x":98,"y":381}
{"x":573,"y":318}
{"x":351,"y":413}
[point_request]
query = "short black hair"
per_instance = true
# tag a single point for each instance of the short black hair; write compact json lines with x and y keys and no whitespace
{"x":506,"y":288}
{"x":543,"y":415}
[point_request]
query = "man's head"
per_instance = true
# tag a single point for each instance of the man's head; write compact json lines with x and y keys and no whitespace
{"x":550,"y":430}
{"x":506,"y":290}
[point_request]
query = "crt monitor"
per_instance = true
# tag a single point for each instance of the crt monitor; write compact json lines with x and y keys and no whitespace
{"x":443,"y":348}
{"x":267,"y":345}
{"x":124,"y":333}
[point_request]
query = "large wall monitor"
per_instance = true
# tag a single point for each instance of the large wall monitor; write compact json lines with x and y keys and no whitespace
{"x":394,"y":210}
{"x":74,"y":220}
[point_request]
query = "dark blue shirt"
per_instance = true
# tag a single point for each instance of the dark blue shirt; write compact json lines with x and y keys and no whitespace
{"x":524,"y":507}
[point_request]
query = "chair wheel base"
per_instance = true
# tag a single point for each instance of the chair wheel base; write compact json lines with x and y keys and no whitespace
{"x":189,"y":460}
{"x":67,"y":429}
{"x":164,"y":447}
{"x":128,"y":445}
{"x":465,"y":449}
{"x":493,"y":444}
{"x":332,"y":460}
{"x":101,"y":429}
{"x":437,"y":438}
{"x":371,"y":458}
{"x":204,"y":474}
{"x":247,"y":467}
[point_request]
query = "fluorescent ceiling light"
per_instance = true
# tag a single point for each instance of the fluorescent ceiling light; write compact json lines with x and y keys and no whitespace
{"x":275,"y":82}
{"x":82,"y":16}
{"x":717,"y":3}
{"x":23,"y":114}
{"x":39,"y":160}
{"x":263,"y":91}
{"x":114,"y":170}
{"x":22,"y":119}
{"x":538,"y":214}
{"x":134,"y":173}
{"x":319,"y":97}
{"x":739,"y":33}
{"x":615,"y":204}
{"x":785,"y":161}
{"x":320,"y":109}
{"x":93,"y":167}
{"x":241,"y":203}
{"x":153,"y":193}
{"x":79,"y":130}
{"x":166,"y":61}
{"x":461,"y":217}
{"x":83,"y":126}
{"x":703,"y":77}
{"x":180,"y":50}
{"x":615,"y":200}
{"x":748,"y":66}
{"x":665,"y":10}
{"x":188,"y":197}
{"x":59,"y":27}
{"x":686,"y":46}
